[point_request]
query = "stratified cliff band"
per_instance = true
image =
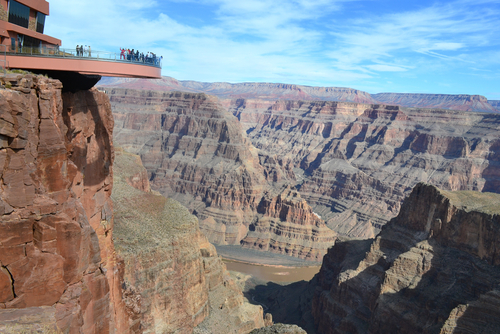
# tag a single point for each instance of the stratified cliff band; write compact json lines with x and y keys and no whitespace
{"x":196,"y":152}
{"x":58,"y":268}
{"x":351,"y":164}
{"x":435,"y":268}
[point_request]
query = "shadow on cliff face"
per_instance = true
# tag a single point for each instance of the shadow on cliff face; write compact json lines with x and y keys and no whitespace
{"x":292,"y":303}
{"x":454,"y":277}
{"x":289,"y":304}
{"x":492,"y":173}
{"x":91,"y":149}
{"x":412,"y":288}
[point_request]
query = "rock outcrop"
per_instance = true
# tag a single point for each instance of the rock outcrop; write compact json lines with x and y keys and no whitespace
{"x":279,"y":329}
{"x":174,"y":282}
{"x":434,"y":268}
{"x":354,"y":163}
{"x":196,"y":152}
{"x":443,"y":101}
{"x":287,"y":225}
{"x":58,"y":269}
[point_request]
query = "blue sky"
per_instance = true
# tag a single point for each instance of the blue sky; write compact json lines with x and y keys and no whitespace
{"x":448,"y":47}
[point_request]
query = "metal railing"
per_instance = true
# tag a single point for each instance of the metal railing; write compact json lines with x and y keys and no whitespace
{"x":72,"y":53}
{"x":3,"y":58}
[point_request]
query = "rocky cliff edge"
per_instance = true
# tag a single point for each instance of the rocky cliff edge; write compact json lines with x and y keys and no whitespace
{"x":57,"y":263}
{"x":435,"y":268}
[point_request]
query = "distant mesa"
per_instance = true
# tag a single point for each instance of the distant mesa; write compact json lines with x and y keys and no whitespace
{"x":442,"y":101}
{"x":265,"y":92}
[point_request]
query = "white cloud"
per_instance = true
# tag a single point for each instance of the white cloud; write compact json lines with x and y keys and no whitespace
{"x":386,"y":68}
{"x":299,"y":41}
{"x":446,"y":46}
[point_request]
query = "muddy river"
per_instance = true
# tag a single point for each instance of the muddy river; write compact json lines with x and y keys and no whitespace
{"x":273,"y":273}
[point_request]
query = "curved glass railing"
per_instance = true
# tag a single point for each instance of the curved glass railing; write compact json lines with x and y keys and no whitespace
{"x":72,"y":53}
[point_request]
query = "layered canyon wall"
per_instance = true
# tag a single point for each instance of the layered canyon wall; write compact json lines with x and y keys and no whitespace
{"x":495,"y":104}
{"x":249,"y":90}
{"x":196,"y":152}
{"x":354,"y":163}
{"x":58,"y":270}
{"x":435,"y":268}
{"x":174,"y":282}
{"x":462,"y":102}
{"x":266,"y":92}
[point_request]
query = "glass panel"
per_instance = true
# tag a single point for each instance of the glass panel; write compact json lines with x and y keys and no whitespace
{"x":19,"y":14}
{"x":40,"y":22}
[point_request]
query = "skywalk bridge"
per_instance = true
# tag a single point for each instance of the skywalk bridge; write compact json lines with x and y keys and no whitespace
{"x":70,"y":67}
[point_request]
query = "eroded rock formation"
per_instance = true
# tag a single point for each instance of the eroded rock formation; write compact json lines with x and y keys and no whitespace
{"x":196,"y":152}
{"x":287,"y":225}
{"x":443,"y":101}
{"x":279,"y":329}
{"x":495,"y":104}
{"x":354,"y":163}
{"x":173,"y":279}
{"x":250,"y":90}
{"x":435,"y":268}
{"x":57,"y":263}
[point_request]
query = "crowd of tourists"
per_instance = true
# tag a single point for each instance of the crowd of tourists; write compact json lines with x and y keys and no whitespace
{"x":125,"y":54}
{"x":83,"y":51}
{"x":135,"y":55}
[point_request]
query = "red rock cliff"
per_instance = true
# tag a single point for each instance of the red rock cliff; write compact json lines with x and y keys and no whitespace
{"x":434,"y":268}
{"x":173,"y":279}
{"x":57,"y":262}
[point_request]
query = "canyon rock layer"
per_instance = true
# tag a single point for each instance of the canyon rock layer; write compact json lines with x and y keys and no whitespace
{"x":195,"y":151}
{"x":435,"y":268}
{"x":354,"y":163}
{"x":264,"y":92}
{"x":57,"y":262}
{"x":443,"y":101}
{"x":174,"y":281}
{"x":351,"y":163}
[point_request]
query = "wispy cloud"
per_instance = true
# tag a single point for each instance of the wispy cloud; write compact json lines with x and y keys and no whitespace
{"x":322,"y":42}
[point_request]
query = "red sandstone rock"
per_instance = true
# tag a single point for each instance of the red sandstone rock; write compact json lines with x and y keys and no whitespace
{"x":174,"y":281}
{"x":353,"y":163}
{"x":289,"y":226}
{"x":56,"y":218}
